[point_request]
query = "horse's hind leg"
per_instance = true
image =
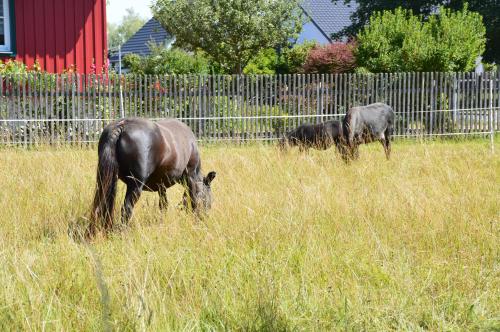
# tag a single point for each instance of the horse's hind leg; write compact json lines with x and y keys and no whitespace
{"x":134,"y":190}
{"x":386,"y":142}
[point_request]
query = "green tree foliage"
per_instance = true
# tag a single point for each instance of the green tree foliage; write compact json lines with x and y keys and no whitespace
{"x":400,"y":41}
{"x":231,"y":31}
{"x":120,"y":33}
{"x":489,"y":9}
{"x":292,"y":60}
{"x":167,"y":61}
{"x":459,"y":38}
{"x":289,"y":60}
{"x":264,"y":63}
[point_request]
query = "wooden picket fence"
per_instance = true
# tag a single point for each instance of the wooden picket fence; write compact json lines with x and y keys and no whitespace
{"x":71,"y":108}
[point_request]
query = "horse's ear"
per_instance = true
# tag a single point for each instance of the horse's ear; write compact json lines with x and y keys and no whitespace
{"x":209,"y":178}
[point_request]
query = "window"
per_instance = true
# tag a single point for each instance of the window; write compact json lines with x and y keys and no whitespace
{"x":5,"y":29}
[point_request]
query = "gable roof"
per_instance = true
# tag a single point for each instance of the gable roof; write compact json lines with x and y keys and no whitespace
{"x":327,"y":16}
{"x":152,"y":31}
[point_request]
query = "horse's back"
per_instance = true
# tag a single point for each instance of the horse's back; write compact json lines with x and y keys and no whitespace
{"x":139,"y":149}
{"x":303,"y":134}
{"x":156,"y":152}
{"x":375,"y":112}
{"x":179,"y":130}
{"x":320,"y":135}
{"x":182,"y":140}
{"x":378,"y":117}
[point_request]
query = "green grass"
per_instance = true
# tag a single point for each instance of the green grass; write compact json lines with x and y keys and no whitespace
{"x":293,"y":242}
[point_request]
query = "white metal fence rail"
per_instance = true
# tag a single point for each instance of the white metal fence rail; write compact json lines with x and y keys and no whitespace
{"x":71,"y":108}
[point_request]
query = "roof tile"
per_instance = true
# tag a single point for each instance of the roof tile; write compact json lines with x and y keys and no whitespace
{"x":152,"y":31}
{"x":329,"y":17}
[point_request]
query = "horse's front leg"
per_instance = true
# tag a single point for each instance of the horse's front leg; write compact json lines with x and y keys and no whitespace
{"x":191,"y":194}
{"x":344,"y":153}
{"x":387,"y":148}
{"x":188,"y":198}
{"x":185,"y":203}
{"x":134,"y":190}
{"x":162,"y":192}
{"x":355,"y":152}
{"x":386,"y":142}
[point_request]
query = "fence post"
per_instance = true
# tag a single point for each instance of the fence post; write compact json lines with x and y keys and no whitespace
{"x":122,"y":111}
{"x":492,"y":131}
{"x":455,"y":100}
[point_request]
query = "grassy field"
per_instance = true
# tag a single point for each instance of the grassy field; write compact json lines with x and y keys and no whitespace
{"x":293,"y":242}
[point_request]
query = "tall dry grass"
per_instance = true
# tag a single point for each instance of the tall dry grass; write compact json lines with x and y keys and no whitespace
{"x":294,"y":242}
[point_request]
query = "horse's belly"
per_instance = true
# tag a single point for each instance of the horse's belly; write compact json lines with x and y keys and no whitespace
{"x":367,"y":135}
{"x":163,"y":179}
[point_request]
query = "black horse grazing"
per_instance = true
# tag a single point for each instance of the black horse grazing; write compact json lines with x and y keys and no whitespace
{"x":320,"y":136}
{"x":147,"y":156}
{"x":365,"y":124}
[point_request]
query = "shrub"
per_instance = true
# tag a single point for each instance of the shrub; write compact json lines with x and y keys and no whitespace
{"x":489,"y":67}
{"x":332,"y":58}
{"x":17,"y":67}
{"x":167,"y":61}
{"x":264,"y":63}
{"x":459,"y":38}
{"x":292,"y":59}
{"x":289,"y":61}
{"x":402,"y":42}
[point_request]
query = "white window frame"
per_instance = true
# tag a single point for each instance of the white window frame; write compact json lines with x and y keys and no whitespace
{"x":7,"y":46}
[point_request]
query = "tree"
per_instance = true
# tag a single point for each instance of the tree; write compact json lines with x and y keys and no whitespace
{"x":459,"y":39}
{"x":400,"y":41}
{"x":129,"y":25}
{"x":489,"y":9}
{"x":264,"y":63}
{"x":230,"y":31}
{"x":291,"y":60}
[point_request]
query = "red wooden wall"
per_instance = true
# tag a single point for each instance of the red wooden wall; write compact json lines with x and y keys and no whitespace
{"x":61,"y":34}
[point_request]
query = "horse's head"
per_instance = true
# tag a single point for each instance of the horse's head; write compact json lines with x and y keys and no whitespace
{"x":203,"y":195}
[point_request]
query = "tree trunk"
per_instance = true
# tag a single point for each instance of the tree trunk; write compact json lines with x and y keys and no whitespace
{"x":238,"y":69}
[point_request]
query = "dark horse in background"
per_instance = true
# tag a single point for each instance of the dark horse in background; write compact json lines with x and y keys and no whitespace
{"x":320,"y":136}
{"x":147,"y":156}
{"x":365,"y":124}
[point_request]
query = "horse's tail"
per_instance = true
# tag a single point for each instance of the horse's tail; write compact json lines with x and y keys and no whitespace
{"x":107,"y":176}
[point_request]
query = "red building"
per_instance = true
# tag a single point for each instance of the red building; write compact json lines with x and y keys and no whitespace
{"x":59,"y":34}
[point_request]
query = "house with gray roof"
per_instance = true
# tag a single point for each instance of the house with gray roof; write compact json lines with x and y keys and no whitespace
{"x":151,"y":32}
{"x":324,"y":19}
